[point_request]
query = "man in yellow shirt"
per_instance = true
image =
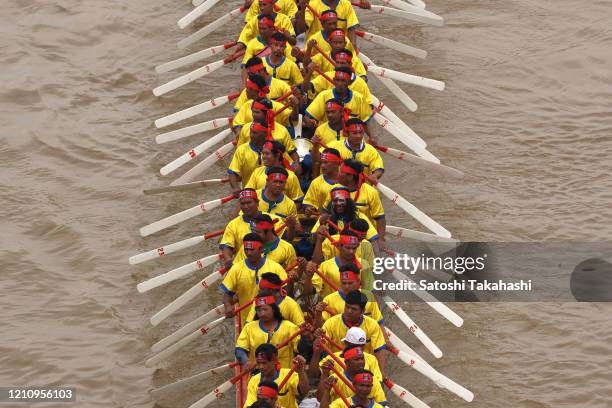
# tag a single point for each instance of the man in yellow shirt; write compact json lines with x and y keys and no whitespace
{"x":320,"y":187}
{"x":271,"y":285}
{"x":363,"y":382}
{"x":282,"y":114}
{"x":260,"y":45}
{"x":240,"y":284}
{"x":270,"y":87}
{"x":269,"y":327}
{"x":272,"y":199}
{"x":278,"y":65}
{"x":311,"y":19}
{"x":354,"y":147}
{"x":336,"y":327}
{"x":237,"y":228}
{"x":247,"y":157}
{"x":266,"y":357}
{"x":282,"y":23}
{"x":286,"y":7}
{"x":342,"y":58}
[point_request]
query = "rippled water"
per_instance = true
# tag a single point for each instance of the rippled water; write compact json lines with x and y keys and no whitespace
{"x":526,"y":115}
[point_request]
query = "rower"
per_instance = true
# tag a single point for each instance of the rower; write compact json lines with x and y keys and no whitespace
{"x":266,"y":357}
{"x":260,"y":45}
{"x":247,"y":157}
{"x":270,"y":327}
{"x":279,"y":66}
{"x":241,"y":281}
{"x":286,"y":7}
{"x":337,"y":43}
{"x":350,"y":280}
{"x":272,"y":155}
{"x":282,"y":116}
{"x":347,"y":245}
{"x":355,"y":337}
{"x":355,"y":147}
{"x":309,"y":22}
{"x":243,"y":224}
{"x":271,"y":285}
{"x":282,"y":23}
{"x":342,"y":58}
{"x":336,"y":327}
{"x":363,"y":382}
{"x":351,"y":100}
{"x":320,"y":187}
{"x":261,"y":110}
{"x":333,"y":128}
{"x":270,"y":88}
{"x":272,"y":200}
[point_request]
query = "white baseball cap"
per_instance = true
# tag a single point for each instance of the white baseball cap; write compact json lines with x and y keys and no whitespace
{"x":355,"y":335}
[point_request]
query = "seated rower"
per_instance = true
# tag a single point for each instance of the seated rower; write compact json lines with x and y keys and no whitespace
{"x":270,"y":375}
{"x":336,"y":327}
{"x":269,"y":327}
{"x":352,"y":101}
{"x":338,"y":43}
{"x":310,"y":23}
{"x":355,"y":147}
{"x":273,"y":201}
{"x":240,"y":282}
{"x":282,"y":23}
{"x":272,"y":155}
{"x":333,"y":304}
{"x":243,"y":224}
{"x":364,"y":384}
{"x":271,"y":285}
{"x":270,"y":87}
{"x":342,"y":58}
{"x":256,"y":7}
{"x":260,"y":45}
{"x":278,"y":65}
{"x":280,"y":114}
{"x":318,"y":192}
{"x":247,"y":157}
{"x":355,"y":337}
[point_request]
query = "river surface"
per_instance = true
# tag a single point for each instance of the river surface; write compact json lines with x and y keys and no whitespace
{"x":525,"y":114}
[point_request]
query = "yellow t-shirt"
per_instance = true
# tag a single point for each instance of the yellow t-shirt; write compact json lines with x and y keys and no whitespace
{"x":279,"y":251}
{"x":354,"y":101}
{"x":331,"y":269}
{"x":326,"y":66}
{"x":286,"y":70}
{"x":377,"y":395}
{"x":336,"y":328}
{"x":286,"y":396}
{"x":280,"y":133}
{"x":318,"y":192}
{"x":368,"y":203}
{"x":320,"y":84}
{"x":323,"y":42}
{"x":282,"y":209}
{"x":258,"y":47}
{"x":347,"y":19}
{"x":371,"y":364}
{"x":243,"y":278}
{"x":245,"y":115}
{"x":292,"y":188}
{"x":246,"y":159}
{"x":335,"y":301}
{"x":286,"y":7}
{"x":278,"y":88}
{"x":366,"y":154}
{"x":371,"y":234}
{"x":365,"y":252}
{"x":235,"y":230}
{"x":251,"y":28}
{"x":289,"y":309}
{"x":253,"y":335}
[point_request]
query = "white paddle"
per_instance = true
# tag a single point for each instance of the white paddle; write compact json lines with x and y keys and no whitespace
{"x":192,"y":58}
{"x":225,"y":368}
{"x":186,"y":297}
{"x":184,"y":215}
{"x":399,"y":4}
{"x":219,"y":392}
{"x":412,"y":326}
{"x":379,"y":106}
{"x":195,"y":110}
{"x":204,"y":31}
{"x":405,"y":395}
{"x":417,"y":235}
{"x":438,"y":168}
{"x":399,"y":343}
{"x":407,"y":78}
{"x":188,"y":328}
{"x":393,"y":87}
{"x":406,"y":138}
{"x":196,"y":13}
{"x":169,"y":249}
{"x":202,"y":166}
{"x":187,"y":186}
{"x":182,"y":133}
{"x":394,"y":45}
{"x":195,"y":152}
{"x":421,"y":16}
{"x":177,"y":273}
{"x":194,"y":75}
{"x":410,"y":209}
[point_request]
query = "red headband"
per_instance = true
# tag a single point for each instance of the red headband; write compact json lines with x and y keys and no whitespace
{"x":277,"y":177}
{"x":340,"y":194}
{"x":266,"y":284}
{"x":258,"y":127}
{"x":355,"y":127}
{"x":328,"y":16}
{"x":331,"y":157}
{"x":334,"y":105}
{"x":349,"y":275}
{"x":343,"y":56}
{"x":266,"y":392}
{"x":281,"y":42}
{"x":347,"y":240}
{"x":252,"y":244}
{"x":335,"y":33}
{"x":363,"y":378}
{"x":248,"y":194}
{"x":264,"y":225}
{"x":253,"y":69}
{"x":353,"y":353}
{"x":264,"y":300}
{"x":348,"y":169}
{"x":342,"y":75}
{"x":262,"y":91}
{"x":268,"y":145}
{"x":267,"y":21}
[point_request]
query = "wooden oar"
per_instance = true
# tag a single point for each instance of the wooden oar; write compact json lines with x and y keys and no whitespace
{"x":205,"y":164}
{"x":169,"y":249}
{"x":193,"y":58}
{"x":172,"y":387}
{"x":187,"y":186}
{"x":438,"y":168}
{"x":410,"y":140}
{"x":405,"y":395}
{"x":195,"y":110}
{"x":394,"y":45}
{"x":220,"y":391}
{"x":195,"y":152}
{"x":402,"y":5}
{"x":379,"y":106}
{"x":195,"y":75}
{"x":185,"y":132}
{"x":417,"y":235}
{"x":184,"y":215}
{"x":196,"y":13}
{"x":393,"y":87}
{"x":204,"y":31}
{"x":421,"y":16}
{"x":399,"y":343}
{"x":404,"y":77}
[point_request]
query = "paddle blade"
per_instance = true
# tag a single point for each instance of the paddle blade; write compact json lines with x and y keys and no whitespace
{"x":177,"y":273}
{"x":188,"y":78}
{"x":394,"y":45}
{"x":196,"y":13}
{"x":212,"y":396}
{"x":194,"y":153}
{"x":195,"y":110}
{"x":407,"y":78}
{"x":405,"y":396}
{"x":204,"y":165}
{"x":215,"y":25}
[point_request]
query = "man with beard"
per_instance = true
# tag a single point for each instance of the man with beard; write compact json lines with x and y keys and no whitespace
{"x":354,"y":147}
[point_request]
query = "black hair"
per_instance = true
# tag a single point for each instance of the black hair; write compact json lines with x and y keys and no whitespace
{"x":349,"y":266}
{"x":344,"y":50}
{"x":355,"y":165}
{"x":332,"y":151}
{"x":260,"y":404}
{"x":278,"y":316}
{"x":263,"y":100}
{"x":258,"y":79}
{"x":277,"y":150}
{"x":346,"y":70}
{"x":271,"y":277}
{"x":268,"y":350}
{"x":278,"y":36}
{"x":360,"y":225}
{"x":352,"y":121}
{"x":355,"y":297}
{"x":251,"y":236}
{"x":277,"y":169}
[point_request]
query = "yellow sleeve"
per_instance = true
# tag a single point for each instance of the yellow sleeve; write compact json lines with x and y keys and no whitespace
{"x":240,"y":101}
{"x":377,"y":162}
{"x":316,"y":109}
{"x":252,"y":391}
{"x":283,"y":118}
{"x":241,"y":117}
{"x":358,"y":67}
{"x":364,"y":90}
{"x":253,"y":11}
{"x":295,"y":75}
{"x":377,"y":392}
{"x":310,"y":198}
{"x":328,"y":249}
{"x":290,"y":8}
{"x":286,"y":22}
{"x":243,"y":136}
{"x":244,"y":339}
{"x":365,"y":110}
{"x":376,"y":207}
{"x":279,"y":270}
{"x":230,"y":281}
{"x":229,"y":237}
{"x":236,"y":163}
{"x":251,"y":315}
{"x":375,"y":311}
{"x":287,"y":141}
{"x":372,"y":232}
{"x":247,"y":32}
{"x":291,"y":255}
{"x":319,"y":84}
{"x":252,"y":183}
{"x":297,"y":316}
{"x":294,"y":190}
{"x":351,"y":19}
{"x":377,"y":341}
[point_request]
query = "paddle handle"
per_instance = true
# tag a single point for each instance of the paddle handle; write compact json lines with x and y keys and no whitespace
{"x":290,"y":338}
{"x":394,"y":45}
{"x":339,"y":393}
{"x":327,"y":280}
{"x":333,"y":356}
{"x":324,"y":55}
{"x":407,"y":78}
{"x":195,"y":110}
{"x":216,"y":394}
{"x":287,"y":377}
